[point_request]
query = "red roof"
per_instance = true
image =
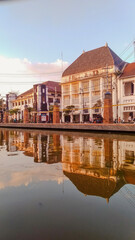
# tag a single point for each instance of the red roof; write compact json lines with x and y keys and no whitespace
{"x":28,"y":92}
{"x":94,"y":59}
{"x":52,"y":85}
{"x":129,"y":70}
{"x":51,"y":88}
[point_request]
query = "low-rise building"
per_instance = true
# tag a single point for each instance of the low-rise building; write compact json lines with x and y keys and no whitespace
{"x":39,"y":101}
{"x":85,"y":82}
{"x":126,"y":93}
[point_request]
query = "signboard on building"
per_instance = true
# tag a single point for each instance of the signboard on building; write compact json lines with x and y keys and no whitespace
{"x":43,"y":117}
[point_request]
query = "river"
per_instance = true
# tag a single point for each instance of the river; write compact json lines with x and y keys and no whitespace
{"x":66,"y":185}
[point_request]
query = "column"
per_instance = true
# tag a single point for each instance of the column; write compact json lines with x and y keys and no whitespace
{"x":101,"y":94}
{"x":56,"y":114}
{"x":108,"y":114}
{"x":134,"y":87}
{"x":62,"y":102}
{"x":90,"y":99}
{"x":80,"y":101}
{"x":26,"y":116}
{"x":70,"y":93}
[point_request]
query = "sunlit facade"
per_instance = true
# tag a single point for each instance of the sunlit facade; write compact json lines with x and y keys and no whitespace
{"x":85,"y":82}
{"x":38,"y":100}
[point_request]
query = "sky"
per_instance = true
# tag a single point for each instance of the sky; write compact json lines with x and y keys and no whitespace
{"x":40,"y":38}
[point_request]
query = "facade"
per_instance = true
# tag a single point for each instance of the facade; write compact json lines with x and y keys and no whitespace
{"x":85,"y":82}
{"x":126,"y":93}
{"x":38,"y":101}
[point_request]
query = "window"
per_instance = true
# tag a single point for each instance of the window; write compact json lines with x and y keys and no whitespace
{"x":85,"y":86}
{"x":50,"y":100}
{"x":66,"y":100}
{"x":66,"y":89}
{"x":75,"y":98}
{"x":129,"y":88}
{"x":58,"y":100}
{"x":75,"y":88}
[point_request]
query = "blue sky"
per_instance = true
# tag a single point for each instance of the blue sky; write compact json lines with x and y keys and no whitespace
{"x":39,"y":30}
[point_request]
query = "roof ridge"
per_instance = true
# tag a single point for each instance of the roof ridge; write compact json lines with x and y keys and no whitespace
{"x":115,"y":56}
{"x":94,"y":49}
{"x":110,"y":53}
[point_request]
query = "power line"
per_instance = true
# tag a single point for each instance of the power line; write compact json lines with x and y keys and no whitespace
{"x":129,"y":45}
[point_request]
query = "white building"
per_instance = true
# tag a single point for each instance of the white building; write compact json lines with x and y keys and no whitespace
{"x":85,"y":82}
{"x":126,"y":93}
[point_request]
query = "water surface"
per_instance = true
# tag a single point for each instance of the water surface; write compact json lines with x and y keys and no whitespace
{"x":65,"y":185}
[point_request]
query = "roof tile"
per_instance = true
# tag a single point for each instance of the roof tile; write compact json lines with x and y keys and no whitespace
{"x":94,"y":59}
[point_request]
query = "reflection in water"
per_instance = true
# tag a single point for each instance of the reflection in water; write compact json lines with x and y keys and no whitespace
{"x":55,"y":185}
{"x":96,"y":165}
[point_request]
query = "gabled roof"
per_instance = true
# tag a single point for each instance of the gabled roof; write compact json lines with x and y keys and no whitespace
{"x":94,"y":59}
{"x":129,"y":70}
{"x":52,"y":85}
{"x":28,"y":92}
{"x":95,"y":186}
{"x":51,"y":88}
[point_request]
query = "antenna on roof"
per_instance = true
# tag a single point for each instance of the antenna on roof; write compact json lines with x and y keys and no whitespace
{"x":106,"y":44}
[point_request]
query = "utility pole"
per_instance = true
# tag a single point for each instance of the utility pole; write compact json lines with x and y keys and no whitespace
{"x":107,"y":78}
{"x":55,"y":94}
{"x":82,"y":93}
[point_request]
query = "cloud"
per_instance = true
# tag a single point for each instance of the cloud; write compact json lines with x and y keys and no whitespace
{"x":23,"y":176}
{"x":47,"y":70}
{"x":20,"y":74}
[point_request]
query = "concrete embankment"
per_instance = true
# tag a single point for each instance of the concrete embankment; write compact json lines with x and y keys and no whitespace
{"x":73,"y":127}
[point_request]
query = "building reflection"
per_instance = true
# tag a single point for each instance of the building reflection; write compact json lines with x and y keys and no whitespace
{"x":97,"y":165}
{"x":43,"y":148}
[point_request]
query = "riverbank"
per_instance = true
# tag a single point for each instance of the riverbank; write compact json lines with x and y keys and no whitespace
{"x":73,"y":127}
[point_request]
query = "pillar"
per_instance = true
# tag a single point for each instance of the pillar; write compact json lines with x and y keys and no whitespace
{"x":5,"y":117}
{"x":108,"y":114}
{"x":26,"y":116}
{"x":56,"y":114}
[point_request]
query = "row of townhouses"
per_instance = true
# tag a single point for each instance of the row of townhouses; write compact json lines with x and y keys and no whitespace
{"x":39,"y":101}
{"x":81,"y":93}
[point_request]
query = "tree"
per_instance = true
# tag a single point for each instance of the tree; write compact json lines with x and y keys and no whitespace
{"x":69,"y":109}
{"x":98,"y":104}
{"x":51,"y":108}
{"x":2,"y":103}
{"x":13,"y":111}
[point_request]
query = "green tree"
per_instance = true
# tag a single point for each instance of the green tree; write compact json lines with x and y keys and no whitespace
{"x":68,"y":109}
